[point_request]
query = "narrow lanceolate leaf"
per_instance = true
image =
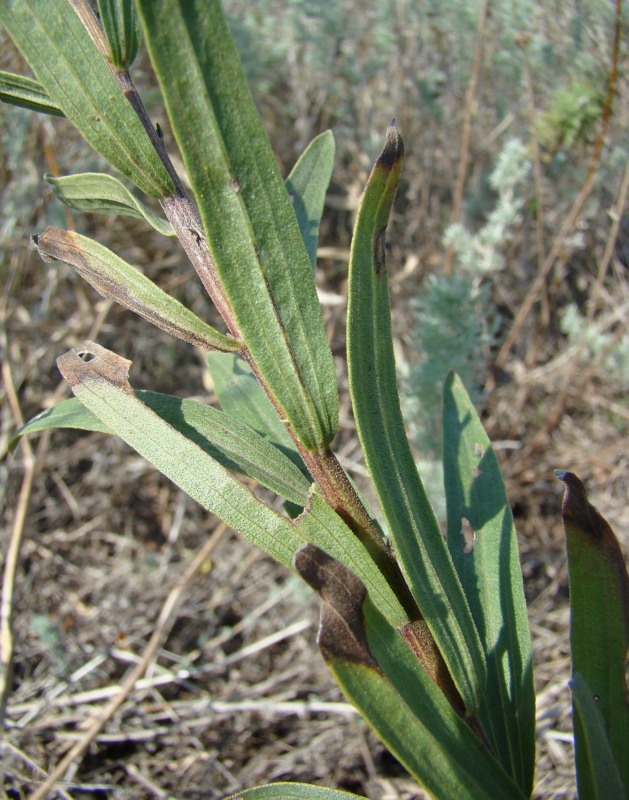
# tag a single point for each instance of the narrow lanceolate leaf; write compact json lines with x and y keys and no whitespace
{"x":101,"y":384}
{"x":482,"y":542}
{"x":241,"y":395}
{"x":233,"y":444}
{"x":307,"y":185}
{"x":248,"y":217}
{"x":380,"y":676}
{"x":599,"y":623}
{"x":27,"y":93}
{"x":122,"y":28}
{"x":115,"y":279}
{"x":72,"y":72}
{"x":97,"y":193}
{"x":599,"y":777}
{"x":292,"y":791}
{"x":420,"y":547}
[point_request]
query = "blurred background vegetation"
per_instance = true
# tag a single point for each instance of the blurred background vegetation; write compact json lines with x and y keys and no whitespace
{"x":508,"y":259}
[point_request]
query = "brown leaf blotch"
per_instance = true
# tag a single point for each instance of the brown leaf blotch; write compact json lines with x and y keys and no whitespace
{"x":341,"y":629}
{"x":102,"y":366}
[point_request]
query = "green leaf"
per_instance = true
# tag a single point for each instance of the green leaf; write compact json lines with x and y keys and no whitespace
{"x":233,"y":444}
{"x":101,"y":384}
{"x":27,"y":93}
{"x":599,"y":622}
{"x":96,"y":193}
{"x":488,"y":566}
{"x":249,"y":221}
{"x":380,"y":676}
{"x":292,"y":791}
{"x":598,"y":775}
{"x":72,"y":72}
{"x":240,"y":395}
{"x":65,"y":414}
{"x":114,"y":278}
{"x":122,"y":28}
{"x":307,"y":185}
{"x":420,"y":547}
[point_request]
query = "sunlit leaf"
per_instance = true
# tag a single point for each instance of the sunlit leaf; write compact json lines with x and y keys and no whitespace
{"x":233,"y":444}
{"x":292,"y":791}
{"x":75,"y":75}
{"x":101,"y":383}
{"x":419,"y":545}
{"x":482,"y":541}
{"x":262,"y":264}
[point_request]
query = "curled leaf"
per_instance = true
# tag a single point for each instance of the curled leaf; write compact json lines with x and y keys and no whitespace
{"x":382,"y":678}
{"x":115,"y":279}
{"x":97,"y":193}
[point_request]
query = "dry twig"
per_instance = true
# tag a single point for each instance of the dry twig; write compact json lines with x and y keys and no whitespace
{"x":163,"y":625}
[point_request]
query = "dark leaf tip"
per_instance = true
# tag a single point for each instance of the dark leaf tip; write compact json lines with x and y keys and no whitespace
{"x":393,"y":150}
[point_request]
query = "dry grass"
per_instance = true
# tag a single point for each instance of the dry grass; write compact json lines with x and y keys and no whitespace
{"x":237,"y":693}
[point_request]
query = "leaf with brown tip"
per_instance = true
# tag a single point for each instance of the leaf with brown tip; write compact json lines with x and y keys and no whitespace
{"x":379,"y":674}
{"x":599,"y":623}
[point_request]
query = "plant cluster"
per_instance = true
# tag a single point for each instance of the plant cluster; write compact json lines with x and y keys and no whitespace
{"x":427,"y":635}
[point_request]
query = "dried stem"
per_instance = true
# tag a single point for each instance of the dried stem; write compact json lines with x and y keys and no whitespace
{"x":162,"y":628}
{"x":12,"y":559}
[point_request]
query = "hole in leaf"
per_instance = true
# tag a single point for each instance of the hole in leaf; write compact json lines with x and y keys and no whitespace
{"x":479,"y":450}
{"x":469,"y":535}
{"x":86,"y":356}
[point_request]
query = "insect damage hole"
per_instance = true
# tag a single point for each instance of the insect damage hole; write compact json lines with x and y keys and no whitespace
{"x":86,"y":354}
{"x":469,"y":535}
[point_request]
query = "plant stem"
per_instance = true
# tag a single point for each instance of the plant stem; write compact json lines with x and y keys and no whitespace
{"x":341,"y":496}
{"x":325,"y":469}
{"x":180,"y":211}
